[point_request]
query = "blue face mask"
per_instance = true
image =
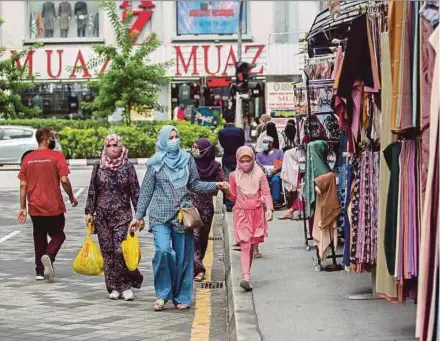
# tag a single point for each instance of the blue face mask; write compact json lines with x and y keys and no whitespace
{"x":174,"y":145}
{"x":265,"y":147}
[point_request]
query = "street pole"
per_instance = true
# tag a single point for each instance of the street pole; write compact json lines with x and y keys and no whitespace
{"x":238,"y":120}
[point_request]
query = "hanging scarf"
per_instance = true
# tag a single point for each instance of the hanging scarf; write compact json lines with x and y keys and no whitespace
{"x":113,"y":157}
{"x":316,"y":166}
{"x":174,"y":162}
{"x":248,"y":183}
{"x":206,"y":164}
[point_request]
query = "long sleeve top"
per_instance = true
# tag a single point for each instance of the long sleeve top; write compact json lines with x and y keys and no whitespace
{"x":164,"y":201}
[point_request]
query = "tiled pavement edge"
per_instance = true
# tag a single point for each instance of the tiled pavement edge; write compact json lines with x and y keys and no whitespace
{"x":77,"y":307}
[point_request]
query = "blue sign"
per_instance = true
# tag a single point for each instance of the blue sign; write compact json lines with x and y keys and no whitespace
{"x":209,"y":17}
{"x":206,"y":116}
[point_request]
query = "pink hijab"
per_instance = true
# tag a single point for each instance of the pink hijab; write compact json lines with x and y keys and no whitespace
{"x":113,"y":157}
{"x":248,"y":183}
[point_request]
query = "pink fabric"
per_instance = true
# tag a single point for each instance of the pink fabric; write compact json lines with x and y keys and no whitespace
{"x":248,"y":182}
{"x":246,"y":257}
{"x":250,"y":224}
{"x":338,"y":62}
{"x":113,"y":157}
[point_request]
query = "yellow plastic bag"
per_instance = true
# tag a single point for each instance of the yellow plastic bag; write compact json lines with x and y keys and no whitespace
{"x":89,"y":259}
{"x":131,"y":250}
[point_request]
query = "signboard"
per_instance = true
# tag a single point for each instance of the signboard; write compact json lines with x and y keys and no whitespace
{"x":209,"y":17}
{"x":206,"y":116}
{"x":280,"y":96}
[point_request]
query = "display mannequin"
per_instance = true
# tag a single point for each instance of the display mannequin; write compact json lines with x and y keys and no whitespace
{"x":93,"y":25}
{"x":49,"y":15}
{"x":64,"y":15}
{"x":73,"y":103}
{"x":81,"y":18}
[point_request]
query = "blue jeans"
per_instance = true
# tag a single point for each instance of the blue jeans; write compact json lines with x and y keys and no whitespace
{"x":173,"y":264}
{"x":275,"y":187}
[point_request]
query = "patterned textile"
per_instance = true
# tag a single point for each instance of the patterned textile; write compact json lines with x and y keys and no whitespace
{"x":156,"y":194}
{"x":110,"y":196}
{"x":204,"y":204}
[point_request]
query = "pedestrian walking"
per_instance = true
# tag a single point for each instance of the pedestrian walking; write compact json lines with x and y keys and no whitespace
{"x":253,"y":208}
{"x":113,"y":190}
{"x":171,"y":173}
{"x":209,"y":170}
{"x":230,"y":138}
{"x":40,"y":176}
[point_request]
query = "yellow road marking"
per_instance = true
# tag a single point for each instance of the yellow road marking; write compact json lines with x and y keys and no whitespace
{"x":202,"y":315}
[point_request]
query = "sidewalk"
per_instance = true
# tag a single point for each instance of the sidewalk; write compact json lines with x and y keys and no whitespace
{"x":294,"y":302}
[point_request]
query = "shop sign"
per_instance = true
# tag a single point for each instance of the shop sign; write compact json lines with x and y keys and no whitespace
{"x":140,"y":16}
{"x":280,"y":97}
{"x":189,"y":60}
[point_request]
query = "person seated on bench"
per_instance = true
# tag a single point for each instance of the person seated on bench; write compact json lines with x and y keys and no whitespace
{"x":272,"y":160}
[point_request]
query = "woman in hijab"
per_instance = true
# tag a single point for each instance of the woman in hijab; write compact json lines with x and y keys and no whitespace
{"x":203,"y":152}
{"x":171,"y":174}
{"x":270,"y":130}
{"x":289,"y":135}
{"x":113,"y":190}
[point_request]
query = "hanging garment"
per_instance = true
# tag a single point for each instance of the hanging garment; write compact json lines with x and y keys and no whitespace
{"x":290,"y":169}
{"x":81,"y":14}
{"x":385,"y":284}
{"x":431,"y":215}
{"x":48,"y":13}
{"x":392,"y":154}
{"x":326,"y":213}
{"x":316,"y":166}
{"x":64,"y":14}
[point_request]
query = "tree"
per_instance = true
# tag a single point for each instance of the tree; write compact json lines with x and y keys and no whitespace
{"x":14,"y":80}
{"x":131,"y":80}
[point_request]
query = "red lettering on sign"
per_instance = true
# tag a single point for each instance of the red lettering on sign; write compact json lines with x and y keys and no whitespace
{"x":206,"y":58}
{"x":143,"y":16}
{"x":231,"y":56}
{"x":28,"y":63}
{"x":49,"y":63}
{"x":257,"y":54}
{"x":105,"y":65}
{"x":80,"y":64}
{"x":192,"y":58}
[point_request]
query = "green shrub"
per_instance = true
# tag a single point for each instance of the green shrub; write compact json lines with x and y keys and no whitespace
{"x":84,"y":139}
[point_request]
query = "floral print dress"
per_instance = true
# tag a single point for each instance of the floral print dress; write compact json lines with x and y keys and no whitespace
{"x":111,"y":193}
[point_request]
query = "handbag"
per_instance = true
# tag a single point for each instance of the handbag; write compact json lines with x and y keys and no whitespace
{"x":188,"y":216}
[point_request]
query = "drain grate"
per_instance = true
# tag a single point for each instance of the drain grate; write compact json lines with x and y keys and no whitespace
{"x":215,"y":238}
{"x":212,"y":285}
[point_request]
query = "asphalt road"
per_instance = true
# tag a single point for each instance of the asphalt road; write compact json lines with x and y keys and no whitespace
{"x":77,"y":307}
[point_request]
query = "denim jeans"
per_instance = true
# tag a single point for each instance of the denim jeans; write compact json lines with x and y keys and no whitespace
{"x":173,"y":264}
{"x":275,"y":187}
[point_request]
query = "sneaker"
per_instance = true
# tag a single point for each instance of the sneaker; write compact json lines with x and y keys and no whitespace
{"x":39,"y":276}
{"x":128,"y":295}
{"x":49,"y":272}
{"x":114,"y":295}
{"x":246,"y":285}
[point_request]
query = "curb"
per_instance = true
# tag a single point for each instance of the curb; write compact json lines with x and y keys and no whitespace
{"x":91,"y":162}
{"x":243,"y":321}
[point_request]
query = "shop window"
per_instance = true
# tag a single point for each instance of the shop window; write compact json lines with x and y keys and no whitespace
{"x":209,"y":17}
{"x":63,"y":19}
{"x":60,"y":99}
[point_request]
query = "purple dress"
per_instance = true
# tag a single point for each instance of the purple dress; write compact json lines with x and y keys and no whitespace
{"x":111,"y":193}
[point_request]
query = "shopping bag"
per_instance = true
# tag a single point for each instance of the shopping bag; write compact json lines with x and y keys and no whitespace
{"x":131,"y":250}
{"x":89,"y":259}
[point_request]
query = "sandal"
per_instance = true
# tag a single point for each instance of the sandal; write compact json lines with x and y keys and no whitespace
{"x":286,"y":217}
{"x":257,"y":253}
{"x":181,"y":306}
{"x":159,"y":305}
{"x":200,"y":277}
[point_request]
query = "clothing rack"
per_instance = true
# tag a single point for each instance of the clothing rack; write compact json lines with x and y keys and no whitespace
{"x":307,"y":235}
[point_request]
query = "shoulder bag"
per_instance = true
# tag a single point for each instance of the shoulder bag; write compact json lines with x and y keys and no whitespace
{"x":189,"y":216}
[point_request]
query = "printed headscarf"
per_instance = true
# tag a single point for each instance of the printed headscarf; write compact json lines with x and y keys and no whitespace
{"x":113,"y":157}
{"x":174,"y":162}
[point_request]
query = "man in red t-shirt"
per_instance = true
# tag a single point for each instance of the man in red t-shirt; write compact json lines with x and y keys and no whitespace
{"x":41,"y":173}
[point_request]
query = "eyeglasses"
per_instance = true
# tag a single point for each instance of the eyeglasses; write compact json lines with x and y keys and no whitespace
{"x":112,"y":145}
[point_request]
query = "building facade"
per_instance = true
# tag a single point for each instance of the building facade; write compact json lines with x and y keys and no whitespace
{"x":199,"y":37}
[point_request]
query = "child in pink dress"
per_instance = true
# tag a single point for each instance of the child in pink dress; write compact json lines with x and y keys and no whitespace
{"x":253,"y":208}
